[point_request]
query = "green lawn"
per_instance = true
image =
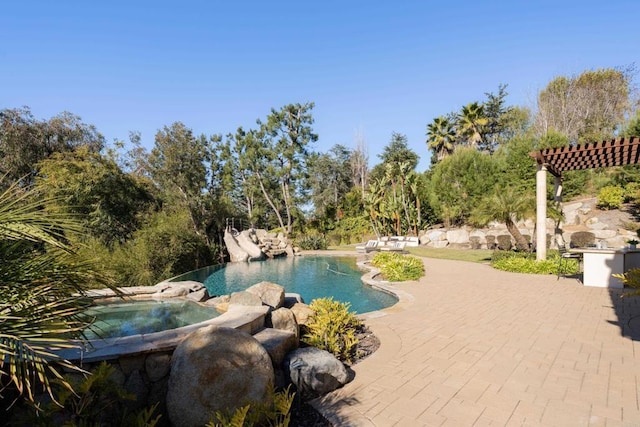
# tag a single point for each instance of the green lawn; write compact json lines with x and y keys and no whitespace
{"x":472,"y":255}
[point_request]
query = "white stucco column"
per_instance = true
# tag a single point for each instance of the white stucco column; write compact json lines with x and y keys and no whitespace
{"x":541,"y":212}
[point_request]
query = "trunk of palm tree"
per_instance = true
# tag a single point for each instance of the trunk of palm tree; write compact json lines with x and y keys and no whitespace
{"x":521,"y":242}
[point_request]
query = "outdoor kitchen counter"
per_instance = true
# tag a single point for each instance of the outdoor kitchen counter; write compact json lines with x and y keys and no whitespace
{"x":601,"y":264}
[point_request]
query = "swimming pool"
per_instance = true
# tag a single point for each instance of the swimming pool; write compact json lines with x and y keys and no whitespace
{"x":310,"y":276}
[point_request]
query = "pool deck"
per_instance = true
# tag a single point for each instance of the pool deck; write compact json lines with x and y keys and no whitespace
{"x":474,"y":346}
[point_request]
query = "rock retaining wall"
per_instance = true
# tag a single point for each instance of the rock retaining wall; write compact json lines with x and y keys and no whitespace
{"x":582,"y":216}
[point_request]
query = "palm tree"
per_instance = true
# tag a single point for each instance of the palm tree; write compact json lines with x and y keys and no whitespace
{"x":372,"y":201}
{"x":42,"y":288}
{"x":441,"y":137}
{"x":506,"y":205}
{"x":471,"y":121}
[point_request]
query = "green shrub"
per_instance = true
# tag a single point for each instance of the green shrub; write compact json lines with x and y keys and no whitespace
{"x":518,"y":262}
{"x":582,"y":239}
{"x":396,"y":267}
{"x":610,"y":197}
{"x":632,"y":192}
{"x":312,"y":242}
{"x":97,"y":400}
{"x":166,"y":246}
{"x":333,"y":328}
{"x":630,"y":279}
{"x":276,"y":412}
{"x":502,"y":255}
{"x":504,"y":242}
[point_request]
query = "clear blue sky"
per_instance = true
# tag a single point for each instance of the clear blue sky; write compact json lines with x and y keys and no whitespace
{"x":370,"y":67}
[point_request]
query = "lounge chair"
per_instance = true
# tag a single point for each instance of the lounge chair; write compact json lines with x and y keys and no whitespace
{"x":395,"y":247}
{"x":372,"y":245}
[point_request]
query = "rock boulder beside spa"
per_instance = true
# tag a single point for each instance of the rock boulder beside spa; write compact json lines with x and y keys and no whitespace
{"x":216,"y":369}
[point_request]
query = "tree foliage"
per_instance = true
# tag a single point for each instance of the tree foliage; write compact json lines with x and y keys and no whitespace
{"x":26,"y":141}
{"x":93,"y":188}
{"x":441,"y":138}
{"x":588,"y":107}
{"x":459,"y":182}
{"x":178,"y":166}
{"x":330,"y":180}
{"x":507,"y":205}
{"x":392,"y":199}
{"x":472,"y":121}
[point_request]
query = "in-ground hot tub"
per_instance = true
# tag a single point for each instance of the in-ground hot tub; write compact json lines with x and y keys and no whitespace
{"x":135,"y":317}
{"x":103,"y":343}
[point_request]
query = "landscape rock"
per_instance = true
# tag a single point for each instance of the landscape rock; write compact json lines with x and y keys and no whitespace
{"x":277,"y":343}
{"x":458,"y":236}
{"x":245,"y":298}
{"x":604,"y":234}
{"x":436,"y":235}
{"x":319,"y":372}
{"x":216,"y":369}
{"x":439,"y":244}
{"x":292,"y":298}
{"x":157,"y":365}
{"x":284,"y":319}
{"x":198,"y":296}
{"x":178,"y":289}
{"x":270,"y":294}
{"x":171,"y":292}
{"x":220,"y":303}
{"x":135,"y":385}
{"x":128,"y":364}
{"x":303,"y":313}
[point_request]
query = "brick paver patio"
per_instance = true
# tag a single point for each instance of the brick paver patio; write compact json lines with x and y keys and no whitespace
{"x":473,"y":346}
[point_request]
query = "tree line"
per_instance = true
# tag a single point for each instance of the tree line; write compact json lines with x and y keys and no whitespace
{"x":76,"y":212}
{"x":153,"y":213}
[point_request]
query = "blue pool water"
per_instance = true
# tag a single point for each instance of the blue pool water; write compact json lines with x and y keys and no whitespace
{"x":310,"y":276}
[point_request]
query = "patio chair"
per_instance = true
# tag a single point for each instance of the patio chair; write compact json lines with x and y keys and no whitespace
{"x":565,"y":255}
{"x":372,"y":245}
{"x":396,"y":247}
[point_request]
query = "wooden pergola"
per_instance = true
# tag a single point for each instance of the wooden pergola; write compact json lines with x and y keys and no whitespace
{"x":615,"y":152}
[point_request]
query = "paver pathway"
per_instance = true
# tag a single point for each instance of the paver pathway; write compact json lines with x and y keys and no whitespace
{"x":480,"y":347}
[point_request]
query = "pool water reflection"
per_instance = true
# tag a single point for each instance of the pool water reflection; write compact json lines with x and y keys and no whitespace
{"x":310,"y":276}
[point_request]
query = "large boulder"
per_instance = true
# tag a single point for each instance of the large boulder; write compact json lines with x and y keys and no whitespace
{"x":458,"y":236}
{"x":435,"y":235}
{"x":216,"y":369}
{"x":271,"y":294}
{"x":284,"y":319}
{"x":278,"y":344}
{"x":245,"y":298}
{"x":314,"y":371}
{"x":303,"y":313}
{"x":178,"y":289}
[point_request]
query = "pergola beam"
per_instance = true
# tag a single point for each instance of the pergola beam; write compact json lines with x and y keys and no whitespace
{"x":614,"y":152}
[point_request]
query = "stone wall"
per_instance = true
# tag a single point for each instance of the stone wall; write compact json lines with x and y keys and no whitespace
{"x":607,"y":227}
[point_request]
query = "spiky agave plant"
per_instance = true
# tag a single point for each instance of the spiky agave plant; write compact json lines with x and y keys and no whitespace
{"x":42,"y":298}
